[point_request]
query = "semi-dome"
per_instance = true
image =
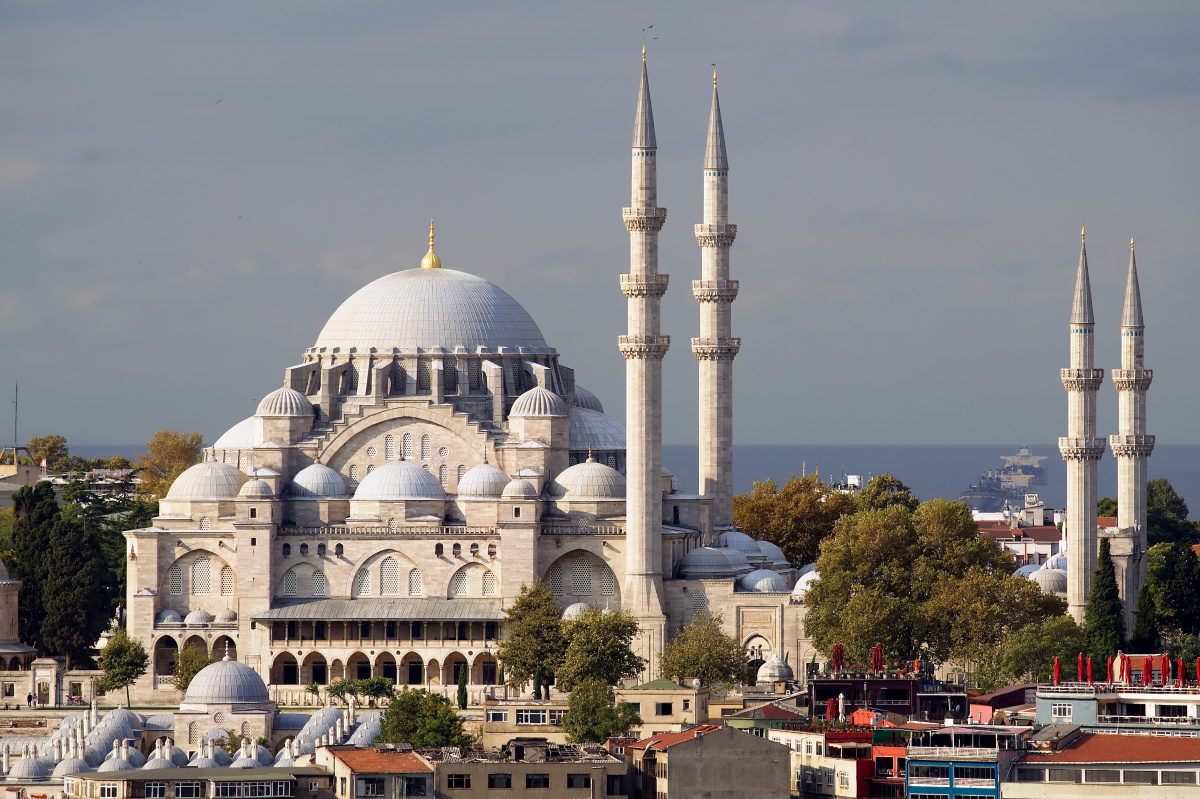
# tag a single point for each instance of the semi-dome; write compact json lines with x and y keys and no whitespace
{"x":317,"y":481}
{"x":169,"y":616}
{"x":427,"y":309}
{"x":740,"y":563}
{"x":226,"y":682}
{"x":284,"y":402}
{"x":774,"y":554}
{"x":1051,"y":581}
{"x":30,"y":768}
{"x":804,"y":583}
{"x":744,"y":544}
{"x":240,"y":436}
{"x":256,"y":489}
{"x":763,"y":581}
{"x":586,"y":399}
{"x":592,"y":429}
{"x":206,"y":482}
{"x":484,"y":481}
{"x":538,"y":402}
{"x":575,"y":611}
{"x":588,"y":481}
{"x":399,"y":480}
{"x":520,"y":489}
{"x":704,"y":563}
{"x":775,"y":670}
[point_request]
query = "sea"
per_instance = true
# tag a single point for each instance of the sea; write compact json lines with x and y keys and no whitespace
{"x":930,"y":471}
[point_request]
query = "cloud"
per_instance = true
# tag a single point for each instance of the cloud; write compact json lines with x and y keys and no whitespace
{"x":78,"y":298}
{"x":19,"y":171}
{"x":869,"y":33}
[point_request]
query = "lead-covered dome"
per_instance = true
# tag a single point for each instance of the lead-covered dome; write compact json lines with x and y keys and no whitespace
{"x":744,"y":544}
{"x":586,"y":399}
{"x":226,"y":682}
{"x":317,"y":481}
{"x":774,"y":554}
{"x":485,"y":481}
{"x":538,"y":402}
{"x":284,"y":402}
{"x":427,"y":309}
{"x":588,"y":481}
{"x":763,"y":581}
{"x":1051,"y":581}
{"x":592,"y":429}
{"x":206,"y":482}
{"x":240,"y":436}
{"x":520,"y":489}
{"x":257,"y":489}
{"x":399,"y":480}
{"x":775,"y":670}
{"x":705,"y":563}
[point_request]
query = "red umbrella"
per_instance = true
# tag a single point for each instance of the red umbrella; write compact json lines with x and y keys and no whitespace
{"x":1056,"y":671}
{"x":1147,"y":670}
{"x":1180,"y":674}
{"x":1165,"y":668}
{"x":1079,"y":668}
{"x":1089,"y":670}
{"x":1109,"y":674}
{"x":830,"y":709}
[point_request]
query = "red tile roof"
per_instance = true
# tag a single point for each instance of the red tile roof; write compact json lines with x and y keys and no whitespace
{"x":1100,"y":748}
{"x":771,"y":710}
{"x":362,"y":761}
{"x":665,"y":740}
{"x":1106,"y":521}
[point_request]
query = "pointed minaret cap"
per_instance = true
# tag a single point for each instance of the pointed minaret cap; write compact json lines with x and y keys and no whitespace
{"x":1081,"y":307}
{"x":643,"y":122}
{"x":431,"y":260}
{"x":714,"y":149}
{"x":1132,"y":316}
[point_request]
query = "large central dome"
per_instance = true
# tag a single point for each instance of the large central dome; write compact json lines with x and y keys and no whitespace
{"x":426,"y":309}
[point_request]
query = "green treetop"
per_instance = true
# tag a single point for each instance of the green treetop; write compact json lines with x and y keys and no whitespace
{"x":599,"y":648}
{"x":123,"y":660}
{"x":1105,"y":620}
{"x":594,"y":715}
{"x":417,"y":717}
{"x":534,"y":644}
{"x":188,"y":663}
{"x":795,"y":517}
{"x":702,"y":650}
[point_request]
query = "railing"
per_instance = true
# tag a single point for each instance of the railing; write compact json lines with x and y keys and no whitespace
{"x":444,"y":530}
{"x":973,"y":782}
{"x":930,"y":782}
{"x":164,"y":681}
{"x":576,"y":530}
{"x":1090,"y":689}
{"x":1178,"y":720}
{"x":952,"y":753}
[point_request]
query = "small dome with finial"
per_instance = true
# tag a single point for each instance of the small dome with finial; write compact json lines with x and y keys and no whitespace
{"x":431,"y":260}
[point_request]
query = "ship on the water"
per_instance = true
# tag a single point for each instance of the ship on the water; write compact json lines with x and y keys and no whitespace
{"x":1011,"y":481}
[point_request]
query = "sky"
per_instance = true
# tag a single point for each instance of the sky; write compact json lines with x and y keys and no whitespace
{"x":189,"y":190}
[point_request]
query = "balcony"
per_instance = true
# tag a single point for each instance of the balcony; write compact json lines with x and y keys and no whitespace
{"x":954,"y":753}
{"x":930,"y":782}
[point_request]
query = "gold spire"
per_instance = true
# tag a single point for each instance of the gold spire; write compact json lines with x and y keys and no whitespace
{"x":1083,"y":232}
{"x":431,"y":260}
{"x":1131,"y":241}
{"x":714,"y":76}
{"x":643,"y":50}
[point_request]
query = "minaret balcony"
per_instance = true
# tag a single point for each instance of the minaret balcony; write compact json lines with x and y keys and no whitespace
{"x":1131,"y":446}
{"x":716,"y":235}
{"x":1082,"y":379}
{"x":1081,"y":449}
{"x":642,"y":220}
{"x":1132,"y":379}
{"x":644,"y":285}
{"x":643,"y":347}
{"x":715,"y":290}
{"x":716,"y":349}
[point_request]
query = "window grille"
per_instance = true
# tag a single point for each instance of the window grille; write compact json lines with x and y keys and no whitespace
{"x":200,"y":584}
{"x":362,"y":583}
{"x":372,"y":452}
{"x":450,"y":374}
{"x":423,"y":376}
{"x":389,"y":448}
{"x":406,"y":446}
{"x":443,"y":452}
{"x":389,"y":576}
{"x":608,"y":583}
{"x":397,"y":378}
{"x":425,"y":448}
{"x":473,"y":374}
{"x":612,"y":461}
{"x":227,"y":458}
{"x":699,"y":605}
{"x":370,"y":468}
{"x":245,"y":729}
{"x":458,"y":583}
{"x":226,"y":581}
{"x":489,"y":583}
{"x":192,"y":729}
{"x":318,"y":584}
{"x":351,"y":379}
{"x":444,"y":475}
{"x":204,"y":523}
{"x":391,"y":524}
{"x":462,"y":471}
{"x":290,"y":584}
{"x":354,"y":474}
{"x":582,"y":523}
{"x":581,"y":577}
{"x":556,"y":579}
{"x":516,"y":376}
{"x":414,"y":582}
{"x":175,"y":580}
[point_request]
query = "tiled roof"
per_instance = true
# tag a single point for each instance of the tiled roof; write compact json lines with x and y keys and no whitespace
{"x":1106,"y":521}
{"x":771,"y":710}
{"x":1099,"y":748}
{"x":374,"y":761}
{"x":661,"y":684}
{"x":665,"y":740}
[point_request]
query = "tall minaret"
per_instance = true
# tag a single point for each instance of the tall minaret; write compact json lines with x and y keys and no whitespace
{"x":715,"y":348}
{"x":1131,"y":446}
{"x":644,"y":349}
{"x":1080,"y":448}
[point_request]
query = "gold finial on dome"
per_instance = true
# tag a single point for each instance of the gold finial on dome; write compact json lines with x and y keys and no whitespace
{"x":431,"y":260}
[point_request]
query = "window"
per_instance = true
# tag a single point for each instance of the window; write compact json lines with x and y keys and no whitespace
{"x":338,"y":550}
{"x":489,"y":583}
{"x":687,"y":704}
{"x":175,"y":580}
{"x":291,"y":633}
{"x":615,"y":788}
{"x":226,"y":581}
{"x":927,"y":772}
{"x":444,"y":475}
{"x":489,"y":630}
{"x":389,"y":629}
{"x":389,"y":448}
{"x":370,"y":786}
{"x":364,"y":631}
{"x":497,"y":716}
{"x":414,"y":583}
{"x":417,"y":630}
{"x":474,"y":550}
{"x":662,"y":708}
{"x":321,"y":549}
{"x":462,"y":471}
{"x":581,"y":577}
{"x":608,"y":583}
{"x":458,"y":583}
{"x":289,"y":584}
{"x":304,"y":549}
{"x":312,"y":786}
{"x":200,"y":576}
{"x":473,"y":375}
{"x":287,"y":550}
{"x":414,"y":786}
{"x":458,"y":780}
{"x":254,"y":513}
{"x":501,"y":780}
{"x":370,"y":468}
{"x":843,"y":779}
{"x":974,"y":773}
{"x":319,"y":631}
{"x":531,"y":717}
{"x":457,"y":550}
{"x":389,"y":576}
{"x":318,"y":584}
{"x":637,"y":707}
{"x":108,"y":790}
{"x":343,"y":791}
{"x":491,"y":550}
{"x":516,"y":512}
{"x":353,"y":473}
{"x":156,"y":790}
{"x":188,"y":790}
{"x":1031,"y":775}
{"x":1065,"y":775}
{"x":556,"y":579}
{"x":1139,"y":777}
{"x":1102,"y":775}
{"x":1061,"y":711}
{"x":557,"y":716}
{"x":579,"y":781}
{"x":406,"y":446}
{"x":204,"y":523}
{"x":1174,"y":778}
{"x":699,"y":604}
{"x":426,"y":447}
{"x":438,"y":549}
{"x":537,"y":780}
{"x":362,"y":583}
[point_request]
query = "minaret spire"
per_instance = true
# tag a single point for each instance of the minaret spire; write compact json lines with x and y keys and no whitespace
{"x":1081,"y":305}
{"x":716,"y":348}
{"x":643,"y":120}
{"x":1132,"y":314}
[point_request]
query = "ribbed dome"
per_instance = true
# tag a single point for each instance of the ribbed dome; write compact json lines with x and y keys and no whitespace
{"x":68,"y":766}
{"x":538,"y":403}
{"x":588,"y":481}
{"x":705,"y":563}
{"x":804,"y":583}
{"x":586,"y":399}
{"x":399,"y":480}
{"x":256,"y":489}
{"x":203,"y":762}
{"x":741,"y":564}
{"x":240,"y":436}
{"x":317,"y":481}
{"x":775,"y":670}
{"x":197,"y":616}
{"x":744,"y":544}
{"x":591,"y":429}
{"x":226,"y":682}
{"x":427,"y":309}
{"x":763,"y":581}
{"x":575,"y":611}
{"x":1056,"y":562}
{"x":774,"y":554}
{"x":114,"y":764}
{"x":520,"y":489}
{"x":485,"y":481}
{"x":812,"y":567}
{"x":30,"y":768}
{"x":226,"y":616}
{"x":169,"y":617}
{"x":284,"y":402}
{"x":206,"y":482}
{"x":158,"y":762}
{"x":1051,"y":581}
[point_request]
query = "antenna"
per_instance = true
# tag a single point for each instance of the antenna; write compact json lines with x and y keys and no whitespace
{"x":16,"y":398}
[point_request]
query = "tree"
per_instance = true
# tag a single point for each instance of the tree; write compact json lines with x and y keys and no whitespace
{"x":462,"y":687}
{"x":599,"y":648}
{"x":75,"y":574}
{"x":533,"y":643}
{"x":1107,"y":506}
{"x":167,"y":455}
{"x":594,"y":715}
{"x":1029,"y":652}
{"x":1145,"y":622}
{"x":118,"y":462}
{"x":123,"y":660}
{"x":314,"y":690}
{"x":52,"y":449}
{"x":1178,"y":589}
{"x":1167,"y":515}
{"x":1105,"y":616}
{"x":796,"y":517}
{"x":375,"y":687}
{"x":417,"y":717}
{"x":883,"y":491}
{"x":703,"y":651}
{"x":36,"y":510}
{"x":188,"y":663}
{"x":342,"y":688}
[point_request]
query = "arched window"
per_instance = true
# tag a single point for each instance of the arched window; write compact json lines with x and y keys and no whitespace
{"x":391,"y":524}
{"x":462,"y":470}
{"x":444,"y":475}
{"x":425,"y":447}
{"x":287,"y":550}
{"x":389,"y":576}
{"x":320,"y":550}
{"x":612,"y":461}
{"x":608,"y":583}
{"x":458,"y":583}
{"x":457,"y":550}
{"x":245,"y":729}
{"x":450,"y":374}
{"x":699,"y":605}
{"x":318,"y":584}
{"x":489,"y":583}
{"x":200,"y":583}
{"x":362,"y":583}
{"x":354,"y":474}
{"x":304,"y":549}
{"x":193,"y":732}
{"x":474,"y":550}
{"x":226,"y":581}
{"x":338,"y":550}
{"x":389,"y":448}
{"x":581,"y":577}
{"x":175,"y":580}
{"x":438,"y":549}
{"x":289,"y":584}
{"x":491,"y":550}
{"x":556,"y":579}
{"x":406,"y":446}
{"x":414,"y":582}
{"x":204,"y":523}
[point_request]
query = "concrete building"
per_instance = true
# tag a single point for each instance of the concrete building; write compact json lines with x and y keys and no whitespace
{"x":711,"y":761}
{"x":506,"y":719}
{"x":375,"y":772}
{"x":1086,"y":764}
{"x":963,"y":761}
{"x":829,"y":761}
{"x":665,"y":704}
{"x":526,"y":768}
{"x":1128,"y":709}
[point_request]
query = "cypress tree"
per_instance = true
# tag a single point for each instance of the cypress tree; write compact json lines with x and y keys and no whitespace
{"x":75,"y":575}
{"x":1104,"y":615}
{"x":462,"y":687}
{"x":1145,"y":622}
{"x":36,"y":509}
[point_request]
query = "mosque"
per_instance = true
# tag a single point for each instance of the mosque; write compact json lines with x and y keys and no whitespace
{"x":431,"y":453}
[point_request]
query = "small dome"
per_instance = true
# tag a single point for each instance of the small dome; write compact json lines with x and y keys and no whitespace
{"x":245,"y":762}
{"x":1026,"y":570}
{"x":203,"y":762}
{"x":775,"y":670}
{"x":1056,"y":562}
{"x":538,"y":403}
{"x":68,"y":766}
{"x":284,"y":402}
{"x":591,"y":429}
{"x":158,"y":762}
{"x":484,"y":481}
{"x":520,"y":489}
{"x":257,"y":489}
{"x":1051,"y":581}
{"x":588,"y":481}
{"x":115,"y":764}
{"x":134,"y":721}
{"x":226,"y":616}
{"x":740,"y":563}
{"x":197,"y":616}
{"x":763,"y":581}
{"x":812,"y":567}
{"x":177,"y":756}
{"x":226,"y":682}
{"x":774,"y":554}
{"x":264,"y":755}
{"x":804,"y":583}
{"x":30,"y":768}
{"x":240,"y":436}
{"x":743,"y":543}
{"x":284,"y":759}
{"x":169,"y":616}
{"x":317,"y":481}
{"x":575,"y":611}
{"x":206,"y":482}
{"x":704,"y":563}
{"x":399,"y":480}
{"x":94,"y":754}
{"x":586,"y":399}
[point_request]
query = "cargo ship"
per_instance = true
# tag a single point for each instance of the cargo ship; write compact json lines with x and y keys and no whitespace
{"x":1018,"y":474}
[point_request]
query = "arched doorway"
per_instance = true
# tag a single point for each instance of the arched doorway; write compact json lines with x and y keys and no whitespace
{"x":314,"y":669}
{"x":484,"y":671}
{"x":285,"y":670}
{"x":455,"y":662}
{"x":433,"y":672}
{"x":412,"y":669}
{"x":758,"y":649}
{"x":358,"y":667}
{"x":166,"y":651}
{"x":385,"y":666}
{"x":224,"y":644}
